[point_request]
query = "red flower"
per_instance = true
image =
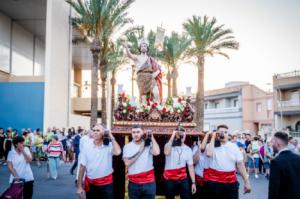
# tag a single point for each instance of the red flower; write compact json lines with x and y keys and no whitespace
{"x":179,"y":99}
{"x":185,"y":113}
{"x":129,"y":107}
{"x":164,"y":109}
{"x":154,"y":104}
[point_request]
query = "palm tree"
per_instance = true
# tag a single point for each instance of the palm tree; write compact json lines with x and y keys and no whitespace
{"x":99,"y":20}
{"x":208,"y":39}
{"x":173,"y":51}
{"x":115,"y":59}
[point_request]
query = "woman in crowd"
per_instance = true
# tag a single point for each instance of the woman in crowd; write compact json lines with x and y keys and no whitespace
{"x":18,"y":163}
{"x":38,"y":143}
{"x":27,"y":139}
{"x":7,"y":145}
{"x":55,"y":151}
{"x":69,"y":148}
{"x":2,"y":138}
{"x":72,"y":131}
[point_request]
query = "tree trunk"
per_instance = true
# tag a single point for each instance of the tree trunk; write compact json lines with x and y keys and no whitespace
{"x":199,"y":104}
{"x":113,"y":85}
{"x":174,"y":79}
{"x":95,"y":49}
{"x":103,"y":95}
{"x":169,"y":82}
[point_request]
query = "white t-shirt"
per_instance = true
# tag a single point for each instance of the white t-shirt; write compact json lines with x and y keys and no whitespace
{"x":179,"y":157}
{"x":97,"y":160}
{"x":201,"y":164}
{"x":143,"y":163}
{"x":20,"y":165}
{"x":85,"y":141}
{"x":225,"y":157}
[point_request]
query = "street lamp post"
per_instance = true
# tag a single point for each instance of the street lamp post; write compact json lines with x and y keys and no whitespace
{"x":132,"y":79}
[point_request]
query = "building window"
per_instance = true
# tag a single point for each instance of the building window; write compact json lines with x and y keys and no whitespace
{"x":270,"y":104}
{"x":235,"y":103}
{"x":205,"y":106}
{"x":217,"y":105}
{"x":258,"y":107}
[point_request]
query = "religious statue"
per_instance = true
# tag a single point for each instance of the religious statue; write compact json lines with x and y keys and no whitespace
{"x":148,"y":72}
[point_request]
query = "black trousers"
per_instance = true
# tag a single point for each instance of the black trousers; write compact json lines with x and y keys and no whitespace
{"x":141,"y":191}
{"x":216,"y":190}
{"x":175,"y":187}
{"x":200,"y":194}
{"x":28,"y":190}
{"x":104,"y":191}
{"x":75,"y":163}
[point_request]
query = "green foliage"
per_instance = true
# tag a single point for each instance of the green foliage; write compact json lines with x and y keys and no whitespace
{"x":174,"y":48}
{"x":100,"y":19}
{"x":116,"y":57}
{"x":208,"y":37}
{"x":135,"y":34}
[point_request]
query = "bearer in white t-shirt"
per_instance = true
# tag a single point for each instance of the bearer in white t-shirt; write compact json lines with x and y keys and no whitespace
{"x":96,"y":163}
{"x":200,"y":163}
{"x":138,"y":157}
{"x":220,"y":177}
{"x":178,"y":156}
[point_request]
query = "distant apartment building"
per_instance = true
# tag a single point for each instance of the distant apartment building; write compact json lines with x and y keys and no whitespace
{"x":242,"y":106}
{"x":287,"y":102}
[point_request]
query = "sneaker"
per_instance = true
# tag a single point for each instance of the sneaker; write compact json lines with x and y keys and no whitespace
{"x":256,"y":176}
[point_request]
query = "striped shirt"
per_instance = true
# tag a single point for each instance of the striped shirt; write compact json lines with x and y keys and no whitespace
{"x":55,"y":149}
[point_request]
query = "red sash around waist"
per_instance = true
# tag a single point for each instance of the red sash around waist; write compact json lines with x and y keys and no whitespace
{"x":199,"y":181}
{"x":142,"y":178}
{"x":175,"y":174}
{"x":97,"y":182}
{"x":219,"y":176}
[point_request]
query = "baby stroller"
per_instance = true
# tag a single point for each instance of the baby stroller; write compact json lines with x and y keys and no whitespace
{"x":15,"y":191}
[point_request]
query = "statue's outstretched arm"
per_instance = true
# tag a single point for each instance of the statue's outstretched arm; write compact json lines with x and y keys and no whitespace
{"x":129,"y":54}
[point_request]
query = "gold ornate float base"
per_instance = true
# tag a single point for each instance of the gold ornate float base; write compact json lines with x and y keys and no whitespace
{"x":158,"y":128}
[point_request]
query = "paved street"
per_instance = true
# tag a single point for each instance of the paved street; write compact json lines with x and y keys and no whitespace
{"x":64,"y":188}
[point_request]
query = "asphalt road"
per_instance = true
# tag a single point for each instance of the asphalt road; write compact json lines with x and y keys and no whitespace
{"x":64,"y":187}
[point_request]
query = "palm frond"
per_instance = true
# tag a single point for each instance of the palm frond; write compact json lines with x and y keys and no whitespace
{"x":208,"y":37}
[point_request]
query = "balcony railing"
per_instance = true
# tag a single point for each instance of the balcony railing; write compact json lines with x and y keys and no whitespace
{"x":295,"y":134}
{"x":222,"y":110}
{"x":289,"y":103}
{"x":287,"y":75}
